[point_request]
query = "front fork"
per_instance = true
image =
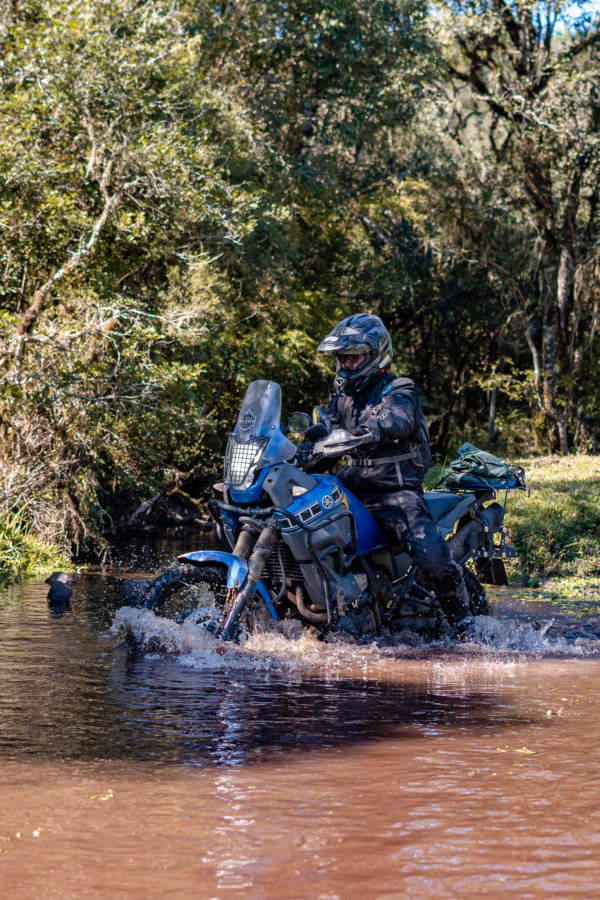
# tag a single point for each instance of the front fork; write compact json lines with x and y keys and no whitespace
{"x":236,"y":600}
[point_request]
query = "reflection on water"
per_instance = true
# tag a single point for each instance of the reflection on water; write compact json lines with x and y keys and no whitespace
{"x":138,"y":760}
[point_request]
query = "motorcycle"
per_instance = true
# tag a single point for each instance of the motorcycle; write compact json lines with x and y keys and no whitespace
{"x":299,"y":544}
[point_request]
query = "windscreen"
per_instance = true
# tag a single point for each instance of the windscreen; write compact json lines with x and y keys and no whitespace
{"x":260,"y":417}
{"x":261,"y":408}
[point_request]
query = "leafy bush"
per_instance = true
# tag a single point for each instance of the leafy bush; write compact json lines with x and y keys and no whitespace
{"x":21,"y":553}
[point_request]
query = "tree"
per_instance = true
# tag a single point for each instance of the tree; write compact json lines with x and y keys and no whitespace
{"x":177,"y":184}
{"x":114,"y":199}
{"x":526,"y":123}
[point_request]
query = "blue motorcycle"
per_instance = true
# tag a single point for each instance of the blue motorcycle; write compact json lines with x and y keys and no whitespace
{"x":299,"y":544}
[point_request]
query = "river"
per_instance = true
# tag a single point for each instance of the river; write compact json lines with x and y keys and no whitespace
{"x":140,"y":761}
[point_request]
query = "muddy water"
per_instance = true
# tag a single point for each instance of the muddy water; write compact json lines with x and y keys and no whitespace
{"x":139,"y":762}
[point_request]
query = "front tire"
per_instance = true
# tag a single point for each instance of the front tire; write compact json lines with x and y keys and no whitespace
{"x":188,"y":592}
{"x":135,"y":589}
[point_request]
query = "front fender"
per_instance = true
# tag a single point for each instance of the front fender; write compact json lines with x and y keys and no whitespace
{"x":237,"y":571}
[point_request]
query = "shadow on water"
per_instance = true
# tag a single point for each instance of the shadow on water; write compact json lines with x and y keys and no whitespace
{"x":70,"y":693}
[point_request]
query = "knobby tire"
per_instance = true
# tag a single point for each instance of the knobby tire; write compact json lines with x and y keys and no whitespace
{"x":177,"y":577}
{"x":478,"y":602}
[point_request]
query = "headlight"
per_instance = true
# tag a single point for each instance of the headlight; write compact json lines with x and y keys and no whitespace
{"x":241,"y":461}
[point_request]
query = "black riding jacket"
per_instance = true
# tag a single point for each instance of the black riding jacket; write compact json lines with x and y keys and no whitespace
{"x":390,"y":408}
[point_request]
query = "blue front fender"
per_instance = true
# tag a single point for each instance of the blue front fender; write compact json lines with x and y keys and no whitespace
{"x":237,"y":571}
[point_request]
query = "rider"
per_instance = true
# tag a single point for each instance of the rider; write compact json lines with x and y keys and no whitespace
{"x":386,"y":473}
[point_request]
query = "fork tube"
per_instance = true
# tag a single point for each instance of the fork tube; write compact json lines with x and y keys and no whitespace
{"x":256,"y":564}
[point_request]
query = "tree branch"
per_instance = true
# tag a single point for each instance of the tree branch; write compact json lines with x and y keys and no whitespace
{"x":31,"y":315}
{"x":381,"y":236}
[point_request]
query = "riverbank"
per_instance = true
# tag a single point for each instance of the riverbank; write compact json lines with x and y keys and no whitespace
{"x":556,"y":529}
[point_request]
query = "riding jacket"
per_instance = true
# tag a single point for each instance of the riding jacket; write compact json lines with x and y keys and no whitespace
{"x":390,"y":408}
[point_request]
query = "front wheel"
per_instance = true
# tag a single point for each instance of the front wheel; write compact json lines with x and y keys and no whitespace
{"x":189,"y":593}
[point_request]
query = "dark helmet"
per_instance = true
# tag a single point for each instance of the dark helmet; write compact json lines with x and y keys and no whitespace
{"x":359,"y":334}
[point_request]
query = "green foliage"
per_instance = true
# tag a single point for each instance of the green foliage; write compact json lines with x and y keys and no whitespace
{"x":21,"y":553}
{"x":177,"y":184}
{"x":519,"y":170}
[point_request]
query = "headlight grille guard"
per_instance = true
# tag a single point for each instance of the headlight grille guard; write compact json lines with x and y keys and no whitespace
{"x":240,"y":459}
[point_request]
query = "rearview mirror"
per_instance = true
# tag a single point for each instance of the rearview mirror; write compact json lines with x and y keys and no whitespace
{"x":299,"y":422}
{"x":316,"y":432}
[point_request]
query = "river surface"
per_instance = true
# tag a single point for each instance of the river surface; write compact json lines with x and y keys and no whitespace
{"x":139,"y":762}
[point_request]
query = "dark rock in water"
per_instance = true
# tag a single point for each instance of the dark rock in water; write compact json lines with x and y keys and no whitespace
{"x":59,"y":594}
{"x":61,"y":578}
{"x":60,"y":589}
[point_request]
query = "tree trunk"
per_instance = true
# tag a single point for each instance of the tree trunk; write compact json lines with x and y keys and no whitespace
{"x":546,"y":358}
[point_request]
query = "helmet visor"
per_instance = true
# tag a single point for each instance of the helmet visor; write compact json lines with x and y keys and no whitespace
{"x":353,"y":345}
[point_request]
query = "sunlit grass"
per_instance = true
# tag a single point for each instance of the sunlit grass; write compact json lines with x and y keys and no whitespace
{"x":21,"y":553}
{"x":557,"y":528}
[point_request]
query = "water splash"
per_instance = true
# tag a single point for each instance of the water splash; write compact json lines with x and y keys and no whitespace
{"x":287,"y":645}
{"x":553,"y":637}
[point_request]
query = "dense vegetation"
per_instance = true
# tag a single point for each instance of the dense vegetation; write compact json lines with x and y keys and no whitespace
{"x":193,"y":192}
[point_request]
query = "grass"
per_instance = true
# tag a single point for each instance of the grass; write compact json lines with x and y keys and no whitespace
{"x":21,"y":552}
{"x":557,"y":528}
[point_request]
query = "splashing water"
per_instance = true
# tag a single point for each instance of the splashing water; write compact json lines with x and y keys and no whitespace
{"x":287,"y":645}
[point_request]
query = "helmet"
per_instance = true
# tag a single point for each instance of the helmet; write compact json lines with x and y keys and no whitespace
{"x":358,"y":334}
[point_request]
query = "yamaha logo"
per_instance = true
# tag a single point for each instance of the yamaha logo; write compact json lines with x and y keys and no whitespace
{"x":327,"y":501}
{"x":247,"y":421}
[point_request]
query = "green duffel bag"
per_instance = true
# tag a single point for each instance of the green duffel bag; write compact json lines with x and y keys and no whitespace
{"x":476,"y":468}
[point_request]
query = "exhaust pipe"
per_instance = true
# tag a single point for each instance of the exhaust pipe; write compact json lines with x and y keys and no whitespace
{"x":298,"y":600}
